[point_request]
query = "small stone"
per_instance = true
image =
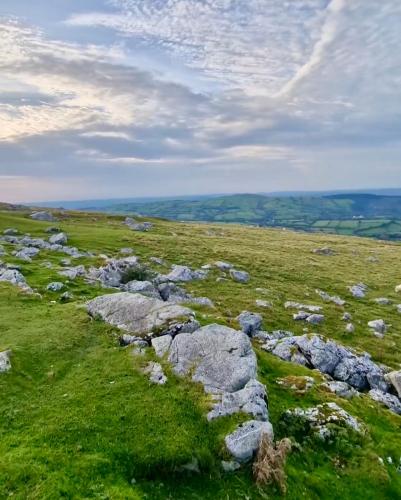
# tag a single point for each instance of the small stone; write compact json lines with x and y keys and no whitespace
{"x":315,"y":319}
{"x":55,"y":286}
{"x":349,"y":328}
{"x":5,"y":363}
{"x":156,"y":374}
{"x":58,"y":239}
{"x":239,"y":276}
{"x":382,"y":301}
{"x":346,"y":316}
{"x":378,"y":326}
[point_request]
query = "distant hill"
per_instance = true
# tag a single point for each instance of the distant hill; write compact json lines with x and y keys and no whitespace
{"x":358,"y":214}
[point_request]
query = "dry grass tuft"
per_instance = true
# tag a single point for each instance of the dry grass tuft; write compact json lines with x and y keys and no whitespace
{"x":269,"y":463}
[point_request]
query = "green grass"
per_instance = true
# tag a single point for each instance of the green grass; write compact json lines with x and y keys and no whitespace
{"x":78,"y":419}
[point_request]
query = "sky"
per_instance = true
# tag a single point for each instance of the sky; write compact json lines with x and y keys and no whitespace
{"x":129,"y":98}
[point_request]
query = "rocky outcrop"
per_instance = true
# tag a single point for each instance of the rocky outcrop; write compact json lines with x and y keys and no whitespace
{"x":137,"y":226}
{"x":136,"y":313}
{"x":185,"y":273}
{"x":358,"y":291}
{"x":111,"y":274}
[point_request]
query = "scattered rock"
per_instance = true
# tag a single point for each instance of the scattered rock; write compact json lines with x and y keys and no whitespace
{"x":382,"y":301}
{"x":245,"y":440}
{"x":56,"y":286}
{"x":143,"y":287}
{"x":263,"y":303}
{"x":162,"y":344}
{"x":300,"y":384}
{"x":394,"y":378}
{"x":73,"y":272}
{"x":184,"y":273}
{"x":156,"y":374}
{"x":392,"y":402}
{"x":330,"y":298}
{"x":320,"y":419}
{"x":358,"y":291}
{"x":111,"y":274}
{"x":330,"y":358}
{"x":223,"y":266}
{"x":304,"y":307}
{"x":349,"y":328}
{"x":157,"y":260}
{"x":323,"y":251}
{"x":250,"y":322}
{"x":5,"y":362}
{"x":230,"y":466}
{"x":341,"y":389}
{"x":346,"y":316}
{"x":239,"y":276}
{"x":398,"y":289}
{"x":10,"y":231}
{"x":58,"y":239}
{"x":378,"y":326}
{"x":136,"y":313}
{"x":315,"y":319}
{"x":252,"y":399}
{"x":14,"y":277}
{"x":27,"y":253}
{"x":52,"y":229}
{"x":127,"y":251}
{"x":138,"y":226}
{"x":43,"y":216}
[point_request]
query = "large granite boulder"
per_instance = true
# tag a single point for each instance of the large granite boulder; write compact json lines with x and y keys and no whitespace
{"x":221,"y":358}
{"x":136,"y":313}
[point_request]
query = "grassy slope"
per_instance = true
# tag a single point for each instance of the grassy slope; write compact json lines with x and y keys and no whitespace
{"x":79,"y":420}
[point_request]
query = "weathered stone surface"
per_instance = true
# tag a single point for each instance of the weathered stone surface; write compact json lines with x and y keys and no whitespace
{"x":318,"y":418}
{"x":56,"y":286}
{"x":315,"y":319}
{"x":136,"y":313}
{"x":185,"y":273}
{"x":14,"y":277}
{"x":394,"y":378}
{"x":138,"y":226}
{"x":162,"y":344}
{"x":157,"y":260}
{"x":156,"y":374}
{"x":127,"y":251}
{"x":330,"y":298}
{"x":330,"y":358}
{"x":250,"y":322}
{"x":358,"y":291}
{"x":239,"y":276}
{"x":73,"y":272}
{"x":27,"y":253}
{"x":245,"y":440}
{"x":290,"y":304}
{"x":58,"y":239}
{"x":378,"y":326}
{"x":43,"y":216}
{"x":323,"y":251}
{"x":111,"y":274}
{"x":143,"y":287}
{"x":5,"y":362}
{"x":392,"y":402}
{"x":223,"y":266}
{"x":221,"y":358}
{"x":341,"y":389}
{"x":252,"y":399}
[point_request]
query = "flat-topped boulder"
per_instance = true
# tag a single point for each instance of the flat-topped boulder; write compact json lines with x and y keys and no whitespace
{"x":219,"y":357}
{"x":136,"y":313}
{"x":43,"y":216}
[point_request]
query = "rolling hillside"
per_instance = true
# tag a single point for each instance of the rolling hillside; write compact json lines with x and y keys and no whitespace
{"x":355,"y":214}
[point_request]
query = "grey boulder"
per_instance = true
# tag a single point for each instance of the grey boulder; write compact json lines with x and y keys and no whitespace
{"x":43,"y":216}
{"x":5,"y":363}
{"x":56,"y":286}
{"x":250,"y":322}
{"x":389,"y":400}
{"x":58,"y":239}
{"x":136,"y":313}
{"x":185,"y":273}
{"x":394,"y":378}
{"x":239,"y":276}
{"x":221,"y":358}
{"x":143,"y":287}
{"x":244,"y":442}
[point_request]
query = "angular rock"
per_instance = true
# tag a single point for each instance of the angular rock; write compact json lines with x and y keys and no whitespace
{"x":358,"y":291}
{"x":52,"y":229}
{"x":112,"y":273}
{"x":245,"y":440}
{"x":14,"y":277}
{"x":330,"y":298}
{"x":185,"y":273}
{"x":346,"y":316}
{"x":239,"y":276}
{"x":73,"y":272}
{"x":143,"y":287}
{"x":58,"y":239}
{"x":5,"y":362}
{"x":252,"y":399}
{"x":162,"y":344}
{"x":56,"y":286}
{"x":394,"y":378}
{"x":378,"y":326}
{"x":250,"y":322}
{"x":304,"y":307}
{"x":156,"y":374}
{"x":341,"y":389}
{"x":392,"y":402}
{"x":27,"y":253}
{"x":136,"y":313}
{"x":221,"y":358}
{"x":263,"y":303}
{"x":127,"y":251}
{"x":315,"y":319}
{"x":43,"y":216}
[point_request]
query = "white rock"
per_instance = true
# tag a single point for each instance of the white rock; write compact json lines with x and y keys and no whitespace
{"x":245,"y":440}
